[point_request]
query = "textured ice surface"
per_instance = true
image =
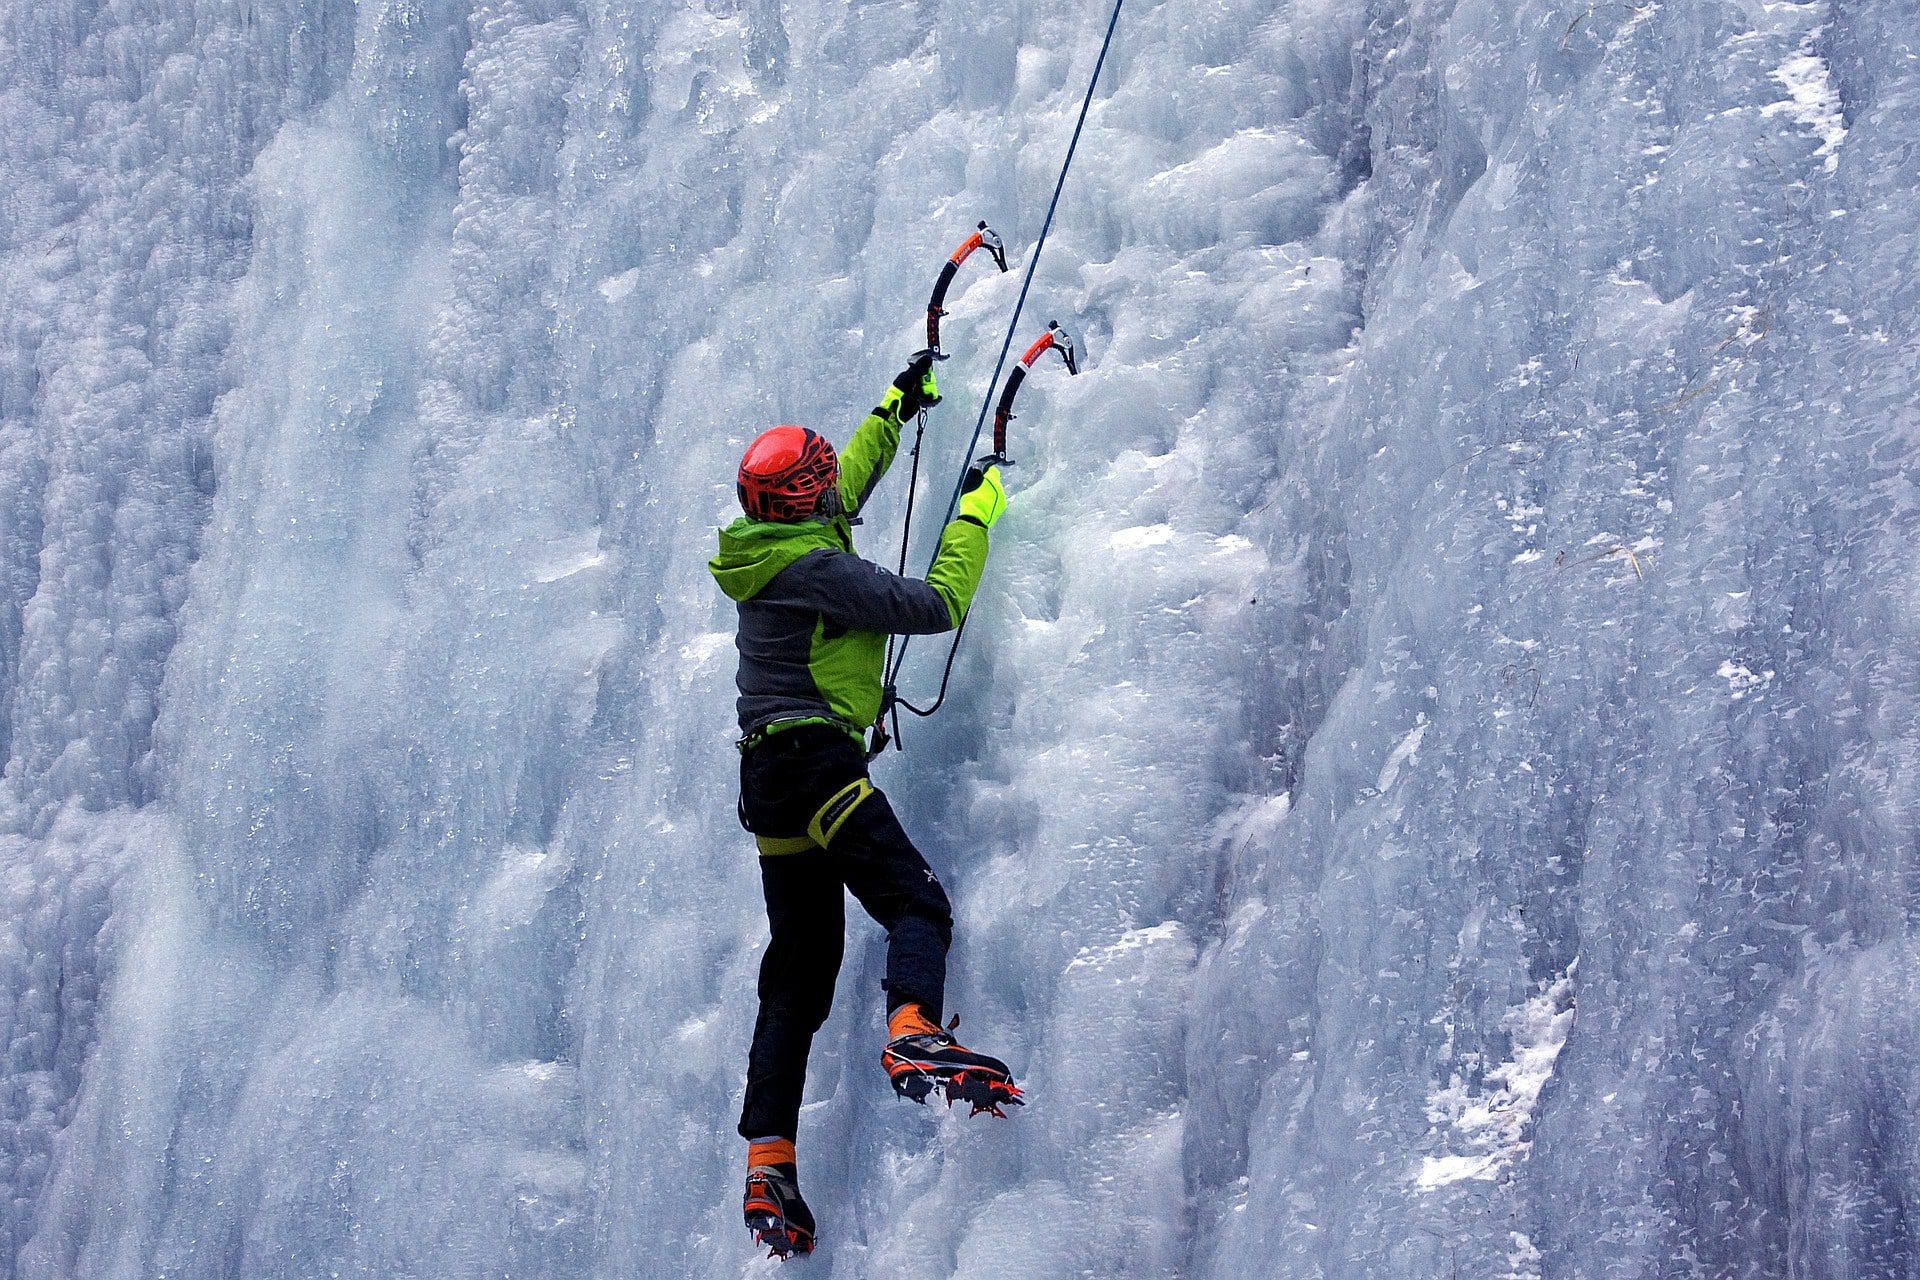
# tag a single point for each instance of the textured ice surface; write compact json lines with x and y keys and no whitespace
{"x":1432,"y":778}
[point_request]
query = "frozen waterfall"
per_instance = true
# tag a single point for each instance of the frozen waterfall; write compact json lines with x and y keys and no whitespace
{"x":1432,"y":782}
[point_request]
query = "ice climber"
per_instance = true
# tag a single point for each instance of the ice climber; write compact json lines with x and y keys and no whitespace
{"x":814,"y":622}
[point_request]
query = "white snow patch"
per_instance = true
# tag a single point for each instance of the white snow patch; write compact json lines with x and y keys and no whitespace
{"x":1140,"y":537}
{"x":700,"y":651}
{"x":619,"y":288}
{"x":1487,"y":1129}
{"x":1439,"y":1171}
{"x":515,"y":892}
{"x":1742,"y":681}
{"x":567,"y":568}
{"x":1254,"y":818}
{"x":1131,"y":940}
{"x":1523,"y":1258}
{"x":1811,"y":99}
{"x":1408,"y":749}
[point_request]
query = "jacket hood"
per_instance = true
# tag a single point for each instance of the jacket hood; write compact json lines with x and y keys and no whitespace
{"x":753,"y":552}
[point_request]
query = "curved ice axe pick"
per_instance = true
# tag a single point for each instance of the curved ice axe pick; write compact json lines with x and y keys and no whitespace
{"x":1059,"y":340}
{"x":983,"y":238}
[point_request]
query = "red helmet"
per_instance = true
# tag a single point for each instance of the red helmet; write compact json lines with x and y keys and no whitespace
{"x":787,"y":470}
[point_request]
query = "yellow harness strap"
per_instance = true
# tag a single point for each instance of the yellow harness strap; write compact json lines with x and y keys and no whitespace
{"x":772,"y":846}
{"x":824,"y":825}
{"x":833,"y":815}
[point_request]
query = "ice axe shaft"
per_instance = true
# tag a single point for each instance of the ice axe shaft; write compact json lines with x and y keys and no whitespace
{"x":1056,"y":339}
{"x":984,"y":237}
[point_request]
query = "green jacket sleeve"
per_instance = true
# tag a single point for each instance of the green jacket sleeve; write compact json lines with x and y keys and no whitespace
{"x":870,"y":452}
{"x":957,"y":566}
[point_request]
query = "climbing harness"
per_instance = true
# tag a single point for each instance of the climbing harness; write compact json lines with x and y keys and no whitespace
{"x":831,"y":816}
{"x":891,"y":701}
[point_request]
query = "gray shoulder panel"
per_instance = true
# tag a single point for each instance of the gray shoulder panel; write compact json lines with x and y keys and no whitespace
{"x":861,"y":596}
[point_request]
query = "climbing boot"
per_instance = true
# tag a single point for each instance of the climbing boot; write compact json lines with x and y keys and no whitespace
{"x":921,"y":1057}
{"x":775,"y":1213}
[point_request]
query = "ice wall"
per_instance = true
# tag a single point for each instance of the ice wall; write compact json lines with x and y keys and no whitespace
{"x":1431,"y":782}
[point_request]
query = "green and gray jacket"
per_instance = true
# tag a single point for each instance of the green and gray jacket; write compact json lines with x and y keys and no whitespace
{"x":815,"y":617}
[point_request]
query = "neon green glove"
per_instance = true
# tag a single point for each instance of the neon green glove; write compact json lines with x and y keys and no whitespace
{"x":983,"y":498}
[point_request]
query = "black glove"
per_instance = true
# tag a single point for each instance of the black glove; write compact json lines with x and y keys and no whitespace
{"x":916,"y":385}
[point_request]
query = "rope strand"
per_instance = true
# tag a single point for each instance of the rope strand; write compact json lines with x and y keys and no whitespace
{"x":899,"y":656}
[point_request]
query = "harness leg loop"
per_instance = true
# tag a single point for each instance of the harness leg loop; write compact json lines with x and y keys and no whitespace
{"x":831,"y":816}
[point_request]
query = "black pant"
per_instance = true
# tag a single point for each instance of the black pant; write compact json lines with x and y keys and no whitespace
{"x":783,"y":783}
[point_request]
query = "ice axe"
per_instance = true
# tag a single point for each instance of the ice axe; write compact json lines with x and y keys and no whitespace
{"x":1055,"y":339}
{"x":984,"y":237}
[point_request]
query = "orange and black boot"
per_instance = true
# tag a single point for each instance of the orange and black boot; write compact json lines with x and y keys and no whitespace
{"x":777,"y":1216}
{"x":921,"y":1057}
